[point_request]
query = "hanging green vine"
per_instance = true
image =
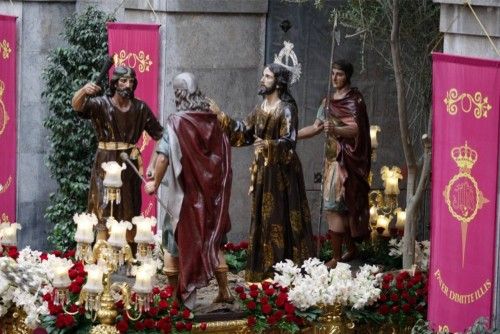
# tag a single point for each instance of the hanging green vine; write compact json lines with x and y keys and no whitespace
{"x":72,"y":140}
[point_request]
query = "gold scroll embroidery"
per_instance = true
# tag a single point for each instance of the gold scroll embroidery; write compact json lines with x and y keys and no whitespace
{"x":6,"y":50}
{"x":5,"y":186}
{"x":4,"y":117}
{"x":466,"y":102}
{"x":139,"y":60}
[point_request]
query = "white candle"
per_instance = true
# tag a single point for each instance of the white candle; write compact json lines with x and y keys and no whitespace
{"x":143,"y":278}
{"x":400,"y":220}
{"x":391,"y":179}
{"x":373,"y":214}
{"x":61,"y":277}
{"x":374,"y":130}
{"x":383,"y":222}
{"x":113,"y":174}
{"x":94,"y":279}
{"x":117,"y":232}
{"x":391,"y":186}
{"x":85,"y":227}
{"x":8,"y":234}
{"x":144,"y":233}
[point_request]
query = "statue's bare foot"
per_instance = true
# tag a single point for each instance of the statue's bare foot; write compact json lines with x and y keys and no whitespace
{"x":224,"y":297}
{"x":332,"y":264}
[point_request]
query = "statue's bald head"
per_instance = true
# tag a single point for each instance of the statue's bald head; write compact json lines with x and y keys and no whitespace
{"x":186,"y":81}
{"x":187,"y":95}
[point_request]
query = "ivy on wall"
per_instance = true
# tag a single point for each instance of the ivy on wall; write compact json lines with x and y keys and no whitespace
{"x":72,"y":140}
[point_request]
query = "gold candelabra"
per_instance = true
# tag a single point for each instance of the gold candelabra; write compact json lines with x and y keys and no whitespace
{"x":384,"y":204}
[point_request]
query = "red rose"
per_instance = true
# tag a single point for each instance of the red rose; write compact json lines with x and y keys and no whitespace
{"x":173,"y":312}
{"x":79,"y":280}
{"x":188,"y":326}
{"x":79,"y":267}
{"x":385,"y":286}
{"x":175,"y":304}
{"x":186,"y":314}
{"x":406,"y":308}
{"x":57,"y":253}
{"x":180,"y":326}
{"x":122,"y":326}
{"x":383,"y":309}
{"x":47,"y":297}
{"x":73,"y":274}
{"x":271,"y":321}
{"x":387,"y":278}
{"x":280,"y":302}
{"x":394,"y":297}
{"x":203,"y":326}
{"x":383,"y":298}
{"x":149,"y":323}
{"x":75,"y":288}
{"x":254,"y":293}
{"x":69,"y":320}
{"x":163,"y":305}
{"x":278,"y":314}
{"x":13,"y":253}
{"x":265,"y":285}
{"x":153,"y":311}
{"x":243,"y":296}
{"x":119,"y":304}
{"x":266,"y":309}
{"x":156,"y":290}
{"x":269,"y":292}
{"x":405,"y":295}
{"x":244,"y":245}
{"x":251,"y":305}
{"x":402,"y":275}
{"x":289,"y":308}
{"x":412,"y":300}
{"x":165,"y":294}
{"x":44,"y":256}
{"x":395,"y":309}
{"x":264,"y":300}
{"x":254,"y":287}
{"x":290,"y":317}
{"x":251,"y":321}
{"x":239,"y":289}
{"x":70,"y":253}
{"x":284,"y":289}
{"x":73,"y":308}
{"x":229,"y":246}
{"x":400,"y":285}
{"x":60,"y":321}
{"x":139,"y":325}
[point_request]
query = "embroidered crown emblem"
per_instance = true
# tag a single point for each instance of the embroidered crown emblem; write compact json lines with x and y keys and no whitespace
{"x":465,"y":157}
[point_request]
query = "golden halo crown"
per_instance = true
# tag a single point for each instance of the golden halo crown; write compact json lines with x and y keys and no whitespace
{"x":464,"y":156}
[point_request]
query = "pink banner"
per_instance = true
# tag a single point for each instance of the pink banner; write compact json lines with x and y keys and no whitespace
{"x":466,"y":104}
{"x":137,"y":46}
{"x":8,"y":141}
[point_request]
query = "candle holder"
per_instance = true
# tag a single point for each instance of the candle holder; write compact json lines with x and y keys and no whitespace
{"x":374,"y":130}
{"x":101,"y":261}
{"x":384,"y":204}
{"x":112,"y":183}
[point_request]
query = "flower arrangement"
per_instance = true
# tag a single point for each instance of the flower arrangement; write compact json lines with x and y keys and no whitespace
{"x":403,"y":298}
{"x":165,"y":315}
{"x":422,"y":252}
{"x":268,"y":306}
{"x":236,"y":256}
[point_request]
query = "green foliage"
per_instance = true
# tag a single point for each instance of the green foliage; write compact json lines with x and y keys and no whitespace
{"x":377,"y":251}
{"x":480,"y":326}
{"x":72,"y":140}
{"x":236,"y":256}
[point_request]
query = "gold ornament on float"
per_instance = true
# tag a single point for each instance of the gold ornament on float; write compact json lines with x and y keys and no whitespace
{"x":139,"y":60}
{"x":467,"y":102}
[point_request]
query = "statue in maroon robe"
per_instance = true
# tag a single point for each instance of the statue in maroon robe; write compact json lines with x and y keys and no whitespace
{"x":194,"y":156}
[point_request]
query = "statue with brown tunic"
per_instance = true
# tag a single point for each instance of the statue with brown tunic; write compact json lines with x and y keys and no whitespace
{"x":119,"y":120}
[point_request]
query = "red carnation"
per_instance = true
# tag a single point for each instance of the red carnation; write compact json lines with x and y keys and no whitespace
{"x":266,"y":309}
{"x":122,"y":326}
{"x":251,"y":305}
{"x":251,"y":321}
{"x":139,"y":325}
{"x":149,"y":323}
{"x":383,"y":309}
{"x":387,"y":278}
{"x":289,"y":308}
{"x":163,"y":305}
{"x":153,"y":311}
{"x":180,"y":326}
{"x":406,"y":308}
{"x":186,"y":314}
